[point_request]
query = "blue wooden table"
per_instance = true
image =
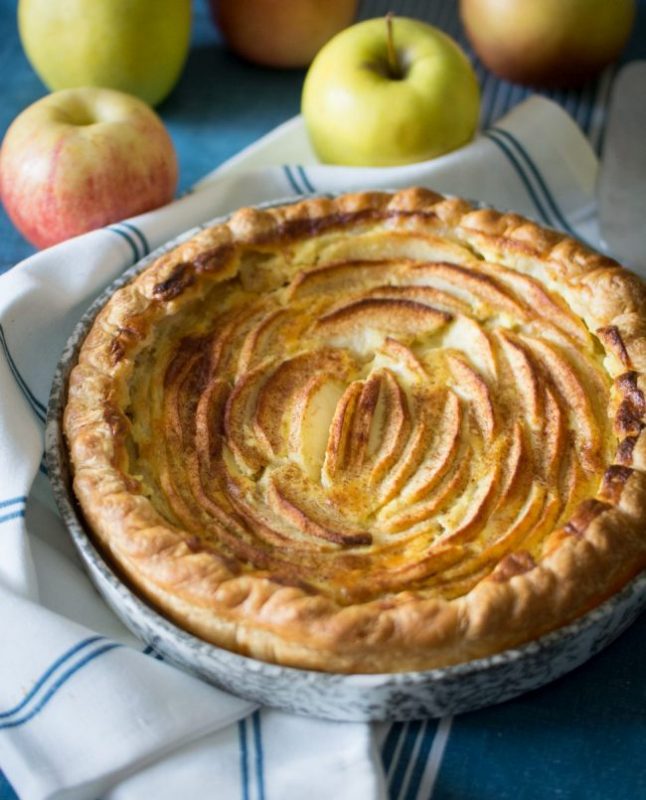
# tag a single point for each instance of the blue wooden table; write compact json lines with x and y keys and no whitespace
{"x":584,"y":736}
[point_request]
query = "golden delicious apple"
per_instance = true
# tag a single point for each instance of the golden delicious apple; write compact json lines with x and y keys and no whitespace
{"x":136,"y":46}
{"x":377,"y":99}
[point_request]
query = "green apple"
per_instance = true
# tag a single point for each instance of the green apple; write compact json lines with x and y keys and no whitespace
{"x":136,"y":46}
{"x":547,"y":42}
{"x":387,"y":92}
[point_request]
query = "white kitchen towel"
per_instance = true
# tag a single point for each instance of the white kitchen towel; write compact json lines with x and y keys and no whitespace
{"x":86,"y":711}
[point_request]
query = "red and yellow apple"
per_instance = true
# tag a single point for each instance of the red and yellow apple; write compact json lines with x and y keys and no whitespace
{"x":135,"y":46}
{"x":547,"y":42}
{"x":281,"y":33}
{"x":387,"y":92}
{"x":79,"y":159}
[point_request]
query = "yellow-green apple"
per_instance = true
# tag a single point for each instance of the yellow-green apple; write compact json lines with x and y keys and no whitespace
{"x":389,"y":91}
{"x":547,"y":42}
{"x":79,"y":159}
{"x":281,"y":33}
{"x":136,"y":46}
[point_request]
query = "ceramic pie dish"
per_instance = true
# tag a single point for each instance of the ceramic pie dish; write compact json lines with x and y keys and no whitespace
{"x":377,"y":433}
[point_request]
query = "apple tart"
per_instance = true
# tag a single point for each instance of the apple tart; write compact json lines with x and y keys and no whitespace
{"x":381,"y":432}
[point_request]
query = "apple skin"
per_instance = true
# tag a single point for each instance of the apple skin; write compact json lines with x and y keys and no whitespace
{"x":135,"y":46}
{"x":357,"y":115}
{"x":281,"y":33}
{"x":80,"y":159}
{"x":547,"y":42}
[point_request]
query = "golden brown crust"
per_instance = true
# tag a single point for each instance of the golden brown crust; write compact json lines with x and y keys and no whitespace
{"x":479,"y":382}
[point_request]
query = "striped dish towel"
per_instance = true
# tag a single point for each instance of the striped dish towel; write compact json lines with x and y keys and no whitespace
{"x":85,"y":710}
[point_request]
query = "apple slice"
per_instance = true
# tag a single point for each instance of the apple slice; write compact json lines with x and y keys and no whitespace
{"x":394,"y":244}
{"x":427,"y":410}
{"x":343,"y":276}
{"x":471,"y":286}
{"x":472,"y":387}
{"x":465,"y":519}
{"x":438,"y":460}
{"x":301,"y":503}
{"x":238,"y":416}
{"x":277,"y":394}
{"x":260,"y":340}
{"x":468,"y":337}
{"x":310,"y":422}
{"x":445,"y":493}
{"x":401,"y":361}
{"x":548,"y":308}
{"x":391,"y":316}
{"x":339,"y":432}
{"x":429,"y":295}
{"x":395,"y":426}
{"x":572,"y":393}
{"x":526,"y":377}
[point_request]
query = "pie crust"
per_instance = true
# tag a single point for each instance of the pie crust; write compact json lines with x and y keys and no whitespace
{"x":374,"y":433}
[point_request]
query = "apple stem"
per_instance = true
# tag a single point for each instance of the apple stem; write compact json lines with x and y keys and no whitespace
{"x":393,"y":63}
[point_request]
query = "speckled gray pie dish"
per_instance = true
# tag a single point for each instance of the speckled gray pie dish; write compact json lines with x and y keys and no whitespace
{"x":398,"y":696}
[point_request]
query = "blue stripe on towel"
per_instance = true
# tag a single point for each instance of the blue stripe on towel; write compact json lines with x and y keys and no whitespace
{"x":48,"y":672}
{"x":13,"y":501}
{"x":257,"y":738}
{"x":127,"y":237}
{"x":14,"y":723}
{"x":306,"y":181}
{"x":244,"y":759}
{"x":139,"y":234}
{"x":37,"y":407}
{"x":292,"y":180}
{"x":12,"y":515}
{"x":533,"y":169}
{"x":522,"y":175}
{"x":390,"y":744}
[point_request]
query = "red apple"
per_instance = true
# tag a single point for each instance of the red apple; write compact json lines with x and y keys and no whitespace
{"x":281,"y":33}
{"x":79,"y":159}
{"x":547,"y":42}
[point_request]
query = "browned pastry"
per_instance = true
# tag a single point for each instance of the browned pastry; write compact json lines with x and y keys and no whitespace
{"x":374,"y":433}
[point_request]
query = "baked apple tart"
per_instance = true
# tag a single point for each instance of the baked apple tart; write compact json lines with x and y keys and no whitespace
{"x":381,"y":432}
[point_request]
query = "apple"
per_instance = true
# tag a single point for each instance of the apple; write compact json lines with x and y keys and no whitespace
{"x":547,"y":42}
{"x":136,"y":46}
{"x":389,"y":91}
{"x":281,"y":33}
{"x":79,"y":159}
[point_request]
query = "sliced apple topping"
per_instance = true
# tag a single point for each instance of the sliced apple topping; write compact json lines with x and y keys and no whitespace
{"x":468,"y":337}
{"x":345,"y":276}
{"x":397,"y":415}
{"x":303,"y":505}
{"x":470,"y":385}
{"x":470,"y":286}
{"x":310,"y":422}
{"x":406,"y":317}
{"x":277,"y":393}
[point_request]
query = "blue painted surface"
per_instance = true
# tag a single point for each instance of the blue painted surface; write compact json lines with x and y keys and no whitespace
{"x":583,"y":736}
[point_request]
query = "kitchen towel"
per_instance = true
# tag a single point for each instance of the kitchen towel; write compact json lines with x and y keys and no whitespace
{"x":85,"y":710}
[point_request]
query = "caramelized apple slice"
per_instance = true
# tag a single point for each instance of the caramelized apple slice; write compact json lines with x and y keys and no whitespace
{"x":471,"y":386}
{"x":310,"y":422}
{"x":390,"y":316}
{"x":468,"y":337}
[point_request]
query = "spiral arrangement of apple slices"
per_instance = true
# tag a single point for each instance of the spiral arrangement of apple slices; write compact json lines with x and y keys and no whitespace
{"x":367,"y":413}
